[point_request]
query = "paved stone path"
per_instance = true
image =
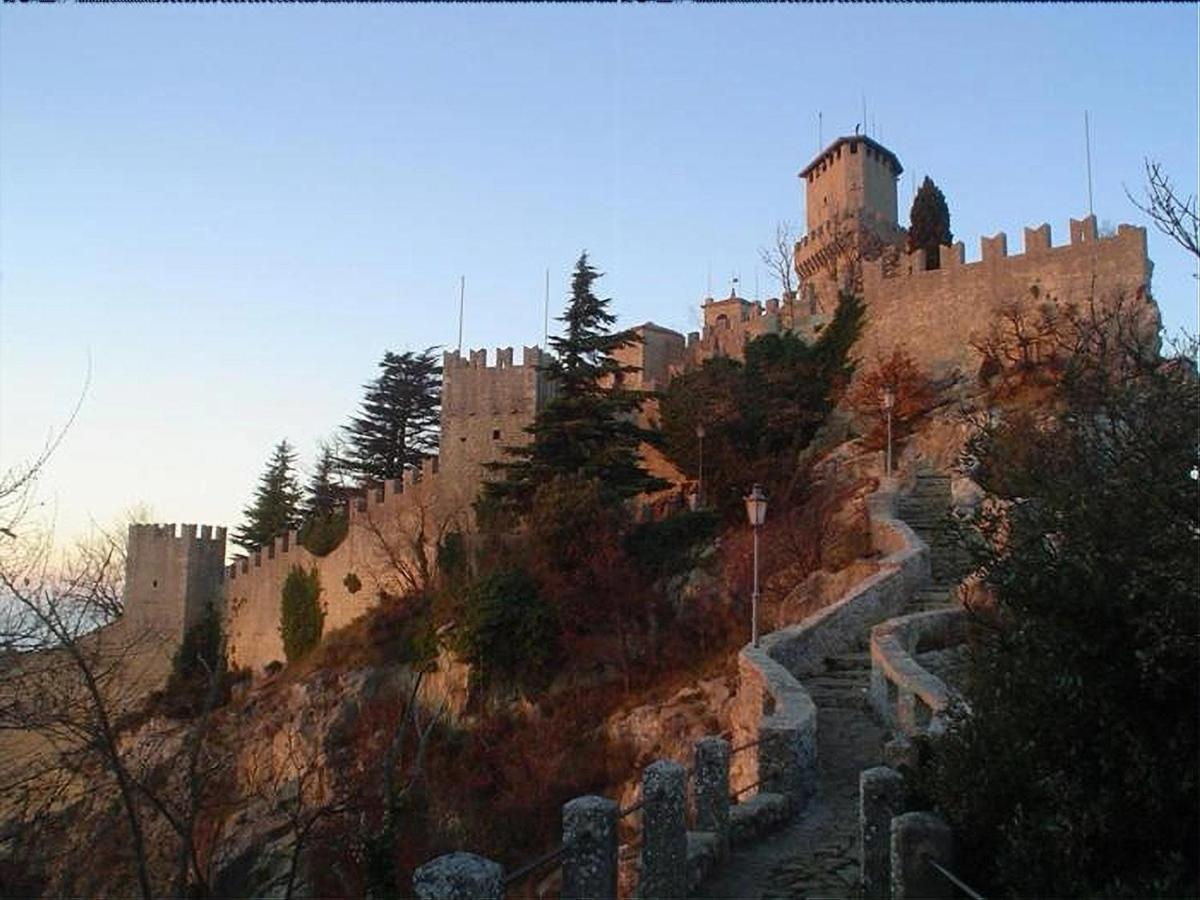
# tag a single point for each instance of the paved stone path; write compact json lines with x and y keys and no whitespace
{"x":816,"y":856}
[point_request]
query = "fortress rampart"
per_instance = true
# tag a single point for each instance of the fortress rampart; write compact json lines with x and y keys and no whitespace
{"x":392,"y":537}
{"x":936,"y":314}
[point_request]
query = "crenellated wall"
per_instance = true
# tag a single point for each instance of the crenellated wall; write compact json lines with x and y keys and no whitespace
{"x":389,"y":529}
{"x":936,"y":314}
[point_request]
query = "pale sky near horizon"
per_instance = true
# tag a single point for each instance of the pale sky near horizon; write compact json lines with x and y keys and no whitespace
{"x":233,"y":211}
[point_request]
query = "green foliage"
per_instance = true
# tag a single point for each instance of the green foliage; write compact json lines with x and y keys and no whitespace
{"x":322,"y":534}
{"x":509,"y":632}
{"x":452,"y":555}
{"x":397,"y":426}
{"x":276,"y":506}
{"x":587,"y":429}
{"x":929,"y":223}
{"x":301,"y":616}
{"x":668,"y":547}
{"x":201,"y":651}
{"x":1076,"y":773}
{"x":352,"y":583}
{"x":759,"y":416}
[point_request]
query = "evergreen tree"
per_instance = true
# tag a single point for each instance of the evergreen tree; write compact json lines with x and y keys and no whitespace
{"x":929,"y":223}
{"x":398,"y":424}
{"x":324,"y":494}
{"x":276,"y":506}
{"x":588,"y":428}
{"x":325,"y":519}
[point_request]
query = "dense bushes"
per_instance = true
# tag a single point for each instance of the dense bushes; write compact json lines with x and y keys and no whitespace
{"x":301,"y":616}
{"x":320,"y":535}
{"x":509,"y":633}
{"x":1076,"y":773}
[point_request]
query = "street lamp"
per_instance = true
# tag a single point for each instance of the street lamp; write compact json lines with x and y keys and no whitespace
{"x":700,"y":477}
{"x":756,"y":512}
{"x":887,"y":402}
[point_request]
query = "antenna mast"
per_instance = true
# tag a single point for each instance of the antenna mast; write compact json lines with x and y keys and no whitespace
{"x":462,"y":291}
{"x":820,"y":131}
{"x":1087,"y":140}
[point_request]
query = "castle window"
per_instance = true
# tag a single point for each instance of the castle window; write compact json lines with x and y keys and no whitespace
{"x":154,"y":583}
{"x":495,"y":434}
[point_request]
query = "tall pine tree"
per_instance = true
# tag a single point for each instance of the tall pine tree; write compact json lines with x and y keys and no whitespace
{"x":398,"y":424}
{"x":588,"y":429}
{"x":324,"y":494}
{"x":929,"y":223}
{"x":276,"y":506}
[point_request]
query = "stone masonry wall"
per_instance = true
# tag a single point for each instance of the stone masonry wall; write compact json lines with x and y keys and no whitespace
{"x":935,"y":315}
{"x":389,"y":530}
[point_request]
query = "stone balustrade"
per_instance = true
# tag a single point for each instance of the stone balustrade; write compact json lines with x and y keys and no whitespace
{"x":905,"y":695}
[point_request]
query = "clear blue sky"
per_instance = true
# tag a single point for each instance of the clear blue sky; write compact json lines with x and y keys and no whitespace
{"x":235,"y":210}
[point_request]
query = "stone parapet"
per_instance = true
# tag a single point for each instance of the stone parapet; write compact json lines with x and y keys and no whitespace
{"x":903,"y":693}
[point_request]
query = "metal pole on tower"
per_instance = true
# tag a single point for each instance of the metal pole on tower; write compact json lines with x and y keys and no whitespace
{"x":820,"y":131}
{"x":1087,"y":140}
{"x":462,"y":291}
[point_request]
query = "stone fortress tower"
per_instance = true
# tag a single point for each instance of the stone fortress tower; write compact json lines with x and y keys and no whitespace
{"x":171,"y":575}
{"x":850,"y":206}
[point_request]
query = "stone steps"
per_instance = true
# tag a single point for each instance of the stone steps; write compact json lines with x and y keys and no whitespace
{"x":848,"y":662}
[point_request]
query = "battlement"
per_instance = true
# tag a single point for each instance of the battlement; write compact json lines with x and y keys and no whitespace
{"x":174,"y":532}
{"x":388,"y":498}
{"x":993,"y":252}
{"x":477,"y":359}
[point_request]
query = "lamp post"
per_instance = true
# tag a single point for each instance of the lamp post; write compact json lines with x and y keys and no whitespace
{"x":887,"y":402}
{"x":756,"y":512}
{"x":700,"y":477}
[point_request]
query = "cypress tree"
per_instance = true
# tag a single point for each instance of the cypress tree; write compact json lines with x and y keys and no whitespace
{"x":588,"y":428}
{"x":398,"y":424}
{"x":276,"y":506}
{"x":929,"y":223}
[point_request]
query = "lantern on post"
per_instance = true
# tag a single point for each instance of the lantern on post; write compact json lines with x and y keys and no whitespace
{"x":756,"y":512}
{"x":888,"y":401}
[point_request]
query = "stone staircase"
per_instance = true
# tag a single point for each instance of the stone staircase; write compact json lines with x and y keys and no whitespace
{"x":926,"y":509}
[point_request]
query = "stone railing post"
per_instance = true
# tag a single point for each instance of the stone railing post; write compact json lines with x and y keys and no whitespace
{"x":459,"y":876}
{"x":787,"y":764}
{"x":664,"y":832}
{"x":712,"y":790}
{"x":918,"y":837}
{"x":589,"y":868}
{"x":880,"y":799}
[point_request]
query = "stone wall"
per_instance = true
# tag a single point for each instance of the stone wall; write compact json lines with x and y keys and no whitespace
{"x":904,"y":694}
{"x":935,"y":315}
{"x":390,"y":530}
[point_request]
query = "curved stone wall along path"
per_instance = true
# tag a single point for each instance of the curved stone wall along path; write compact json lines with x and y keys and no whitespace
{"x":816,"y":855}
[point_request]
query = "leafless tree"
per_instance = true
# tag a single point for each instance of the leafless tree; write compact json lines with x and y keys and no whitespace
{"x":779,"y":258}
{"x":1173,"y":215}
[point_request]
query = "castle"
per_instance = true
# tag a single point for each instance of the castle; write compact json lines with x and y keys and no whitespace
{"x":853,"y":239}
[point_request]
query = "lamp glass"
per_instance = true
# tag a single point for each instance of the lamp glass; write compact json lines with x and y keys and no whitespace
{"x":756,"y":506}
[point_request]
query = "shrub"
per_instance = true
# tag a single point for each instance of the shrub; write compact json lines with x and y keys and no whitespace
{"x":321,"y":535}
{"x":200,"y":658}
{"x":1075,"y":774}
{"x":300,"y":614}
{"x":669,"y":546}
{"x":510,"y":633}
{"x":352,"y":583}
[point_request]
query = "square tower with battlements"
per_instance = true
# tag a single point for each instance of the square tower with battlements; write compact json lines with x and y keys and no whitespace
{"x":850,"y":206}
